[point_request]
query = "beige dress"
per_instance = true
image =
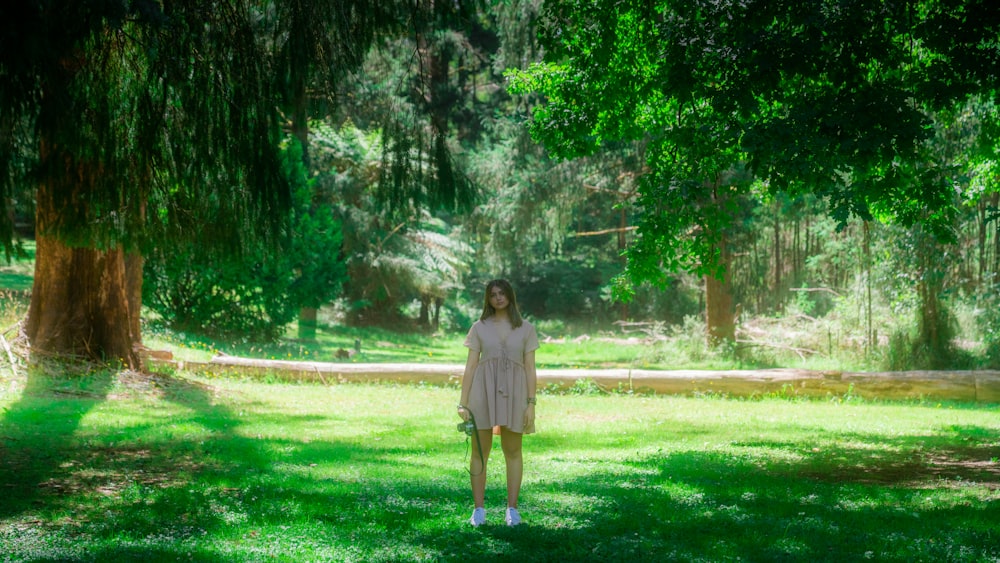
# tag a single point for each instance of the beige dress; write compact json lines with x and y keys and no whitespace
{"x":499,"y":394}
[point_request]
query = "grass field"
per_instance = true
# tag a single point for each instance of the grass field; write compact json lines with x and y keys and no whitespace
{"x":121,"y":467}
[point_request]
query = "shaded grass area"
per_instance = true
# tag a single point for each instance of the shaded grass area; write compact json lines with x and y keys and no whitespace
{"x":128,"y":468}
{"x":17,"y":274}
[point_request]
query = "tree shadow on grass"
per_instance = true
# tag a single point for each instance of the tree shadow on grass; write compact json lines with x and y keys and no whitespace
{"x":139,"y":498}
{"x":49,"y":466}
{"x":37,"y":435}
{"x":697,"y":506}
{"x":956,"y":456}
{"x":224,"y":495}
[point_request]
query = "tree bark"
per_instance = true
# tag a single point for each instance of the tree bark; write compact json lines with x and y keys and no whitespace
{"x":436,"y":320}
{"x":300,"y":130}
{"x":995,"y":203}
{"x":82,"y":304}
{"x":934,"y":334}
{"x":778,"y":266}
{"x":981,"y":225}
{"x":133,"y":292}
{"x":424,"y":319}
{"x":85,"y":302}
{"x":719,"y":317}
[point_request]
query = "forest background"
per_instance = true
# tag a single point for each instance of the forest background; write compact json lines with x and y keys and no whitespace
{"x":415,"y":180}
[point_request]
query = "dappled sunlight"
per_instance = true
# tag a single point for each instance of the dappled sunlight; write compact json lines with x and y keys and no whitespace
{"x":238,"y":470}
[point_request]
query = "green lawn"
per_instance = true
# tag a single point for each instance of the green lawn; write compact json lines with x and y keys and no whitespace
{"x":112,"y":467}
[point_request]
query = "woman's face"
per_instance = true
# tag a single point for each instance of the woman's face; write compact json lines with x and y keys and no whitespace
{"x":498,"y":299}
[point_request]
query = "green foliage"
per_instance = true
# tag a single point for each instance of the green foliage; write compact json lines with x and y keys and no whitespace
{"x":987,"y":316}
{"x":767,"y":123}
{"x":259,"y":291}
{"x":721,"y":85}
{"x":585,"y":386}
{"x":113,"y":106}
{"x":804,"y":303}
{"x":420,"y":92}
{"x":314,"y":248}
{"x":391,"y":258}
{"x":899,"y":354}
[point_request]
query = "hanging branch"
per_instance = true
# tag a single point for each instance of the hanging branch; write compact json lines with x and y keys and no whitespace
{"x":605,"y":231}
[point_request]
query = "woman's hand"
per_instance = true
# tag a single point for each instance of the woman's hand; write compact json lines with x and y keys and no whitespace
{"x":529,"y":417}
{"x":463,"y":412}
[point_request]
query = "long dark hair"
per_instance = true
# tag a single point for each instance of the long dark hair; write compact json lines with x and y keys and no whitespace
{"x":512,"y":311}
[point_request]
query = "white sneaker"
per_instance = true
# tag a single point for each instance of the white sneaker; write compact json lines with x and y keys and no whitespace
{"x":513,"y":517}
{"x":478,"y":517}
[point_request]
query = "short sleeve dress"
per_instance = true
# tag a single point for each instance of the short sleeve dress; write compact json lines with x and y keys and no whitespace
{"x":499,"y":394}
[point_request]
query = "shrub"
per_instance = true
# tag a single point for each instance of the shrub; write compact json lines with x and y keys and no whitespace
{"x":260,"y":290}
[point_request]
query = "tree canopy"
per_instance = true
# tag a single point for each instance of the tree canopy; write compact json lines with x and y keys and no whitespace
{"x":822,"y":97}
{"x":140,"y":106}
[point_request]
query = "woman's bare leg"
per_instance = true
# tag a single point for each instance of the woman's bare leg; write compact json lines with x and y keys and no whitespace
{"x":510,"y":442}
{"x":477,"y":467}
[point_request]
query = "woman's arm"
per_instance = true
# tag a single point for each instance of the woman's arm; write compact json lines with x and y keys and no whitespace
{"x":531,"y":377}
{"x":471,"y":363}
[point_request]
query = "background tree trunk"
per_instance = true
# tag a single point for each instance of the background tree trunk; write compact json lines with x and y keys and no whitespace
{"x":424,"y":319}
{"x":300,"y":130}
{"x":307,"y":323}
{"x":778,"y":292}
{"x":719,"y":317}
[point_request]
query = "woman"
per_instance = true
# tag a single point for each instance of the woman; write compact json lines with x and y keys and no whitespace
{"x":498,"y":390}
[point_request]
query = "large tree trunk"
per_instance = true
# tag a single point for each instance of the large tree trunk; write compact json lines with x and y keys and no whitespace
{"x":81,"y":304}
{"x":85,"y":302}
{"x":436,"y":320}
{"x":133,"y":292}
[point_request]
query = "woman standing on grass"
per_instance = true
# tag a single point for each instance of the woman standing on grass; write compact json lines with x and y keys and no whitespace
{"x":498,"y":390}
